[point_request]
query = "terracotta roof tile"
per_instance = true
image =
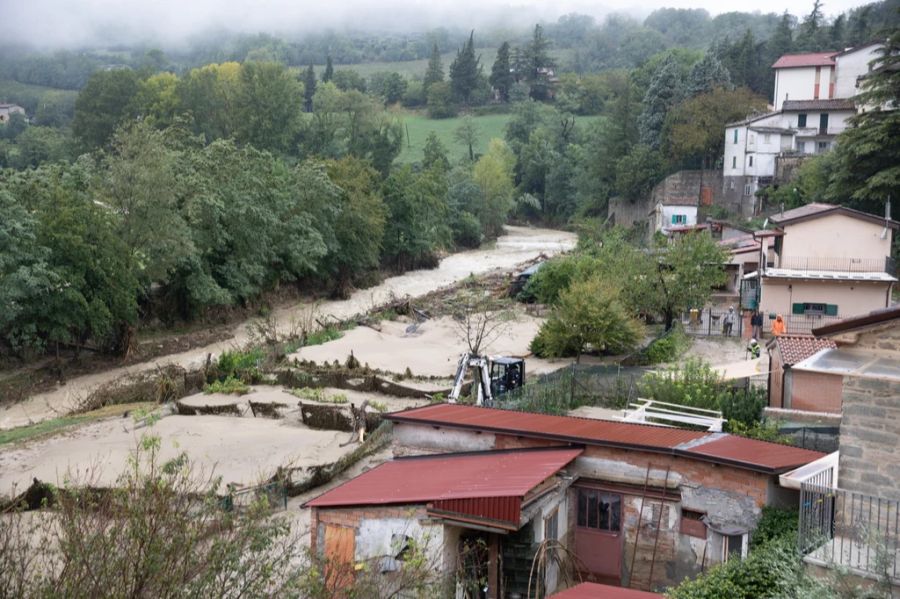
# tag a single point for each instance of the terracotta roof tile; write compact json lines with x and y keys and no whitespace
{"x":795,"y":349}
{"x":810,"y":59}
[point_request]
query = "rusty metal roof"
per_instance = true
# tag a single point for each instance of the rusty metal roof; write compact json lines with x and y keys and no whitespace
{"x":809,"y":59}
{"x":753,"y":453}
{"x":874,"y":318}
{"x":545,"y":426}
{"x":590,"y":590}
{"x":761,"y":456}
{"x":487,"y":485}
{"x":796,"y":348}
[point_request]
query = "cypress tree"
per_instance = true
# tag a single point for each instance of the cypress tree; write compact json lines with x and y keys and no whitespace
{"x":501,"y":77}
{"x":328,"y":75}
{"x":309,"y":88}
{"x":465,"y":70}
{"x":435,"y":71}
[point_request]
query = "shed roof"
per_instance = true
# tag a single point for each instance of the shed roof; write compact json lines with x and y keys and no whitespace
{"x":796,"y":348}
{"x":490,"y":475}
{"x":855,"y":323}
{"x":808,"y":59}
{"x":749,"y":454}
{"x":591,"y":590}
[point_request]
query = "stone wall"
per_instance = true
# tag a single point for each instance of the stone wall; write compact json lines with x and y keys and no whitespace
{"x":870,"y":434}
{"x":628,"y":214}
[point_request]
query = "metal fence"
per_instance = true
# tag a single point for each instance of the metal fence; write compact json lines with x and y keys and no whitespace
{"x":802,"y":324}
{"x":816,"y":438}
{"x":850,"y":530}
{"x":608,"y":386}
{"x":713,"y":322}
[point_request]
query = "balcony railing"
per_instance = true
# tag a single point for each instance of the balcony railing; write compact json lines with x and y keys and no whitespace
{"x":850,"y":530}
{"x":802,"y":324}
{"x":834,"y":264}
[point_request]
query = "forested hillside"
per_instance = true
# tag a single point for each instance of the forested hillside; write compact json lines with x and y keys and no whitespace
{"x":151,"y":185}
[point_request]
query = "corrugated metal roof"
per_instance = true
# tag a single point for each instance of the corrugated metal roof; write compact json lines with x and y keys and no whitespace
{"x":797,"y":348}
{"x":741,"y":450}
{"x":474,"y":483}
{"x":751,"y":454}
{"x":563,"y":428}
{"x":809,"y":59}
{"x":873,"y":318}
{"x":590,"y":590}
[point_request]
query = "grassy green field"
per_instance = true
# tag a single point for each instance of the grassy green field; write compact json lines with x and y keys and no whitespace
{"x":30,"y":96}
{"x":419,"y":126}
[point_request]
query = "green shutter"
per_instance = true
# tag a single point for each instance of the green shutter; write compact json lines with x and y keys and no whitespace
{"x":798,"y":309}
{"x":830,"y":310}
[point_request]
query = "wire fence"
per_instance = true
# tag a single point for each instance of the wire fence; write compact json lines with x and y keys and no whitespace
{"x":607,"y":386}
{"x":713,"y":322}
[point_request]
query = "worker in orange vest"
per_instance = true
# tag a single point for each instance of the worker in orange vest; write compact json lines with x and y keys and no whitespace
{"x":778,"y":326}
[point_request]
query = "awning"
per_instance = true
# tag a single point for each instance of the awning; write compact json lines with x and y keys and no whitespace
{"x":740,"y":370}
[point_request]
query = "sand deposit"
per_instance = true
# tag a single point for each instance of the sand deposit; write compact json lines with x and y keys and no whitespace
{"x":432,"y":350}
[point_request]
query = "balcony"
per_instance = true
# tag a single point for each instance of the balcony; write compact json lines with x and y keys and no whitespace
{"x":840,"y":528}
{"x":834,"y":264}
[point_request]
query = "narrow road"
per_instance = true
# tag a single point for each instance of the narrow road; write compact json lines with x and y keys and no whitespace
{"x":518,"y":245}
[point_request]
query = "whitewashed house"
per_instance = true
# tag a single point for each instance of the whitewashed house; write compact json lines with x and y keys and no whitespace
{"x":7,"y":110}
{"x":812,"y":103}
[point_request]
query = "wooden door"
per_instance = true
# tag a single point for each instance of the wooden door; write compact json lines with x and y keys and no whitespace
{"x":598,"y":534}
{"x":340,"y":548}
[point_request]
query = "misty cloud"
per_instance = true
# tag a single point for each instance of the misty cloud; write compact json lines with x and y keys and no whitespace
{"x":72,"y":23}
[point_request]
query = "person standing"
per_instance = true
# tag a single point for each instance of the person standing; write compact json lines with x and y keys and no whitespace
{"x":778,"y":327}
{"x":728,"y":322}
{"x":756,"y":322}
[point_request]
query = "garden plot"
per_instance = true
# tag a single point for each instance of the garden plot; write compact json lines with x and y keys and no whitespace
{"x":429,"y":349}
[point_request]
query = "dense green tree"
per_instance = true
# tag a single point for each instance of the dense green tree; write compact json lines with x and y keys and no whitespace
{"x":693,"y":131}
{"x":390,"y":87}
{"x":501,"y":73}
{"x":665,"y":91}
{"x":157,"y":101}
{"x":417,"y":217}
{"x":102,"y":105}
{"x":688,"y":269}
{"x":210,"y":95}
{"x":37,"y":145}
{"x":539,"y":63}
{"x":465,"y":70}
{"x":434,"y":154}
{"x":360,"y":221}
{"x":309,"y":88}
{"x":16,"y":124}
{"x":591,"y":314}
{"x":493,"y":173}
{"x":269,"y":102}
{"x":349,"y":79}
{"x":782,"y":40}
{"x":809,"y":185}
{"x":813,"y":33}
{"x":441,"y":104}
{"x":435,"y":71}
{"x":867,"y":156}
{"x":706,"y":75}
{"x":328,"y":75}
{"x":637,"y":172}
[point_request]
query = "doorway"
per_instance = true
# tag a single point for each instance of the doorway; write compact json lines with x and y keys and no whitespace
{"x":598,"y":534}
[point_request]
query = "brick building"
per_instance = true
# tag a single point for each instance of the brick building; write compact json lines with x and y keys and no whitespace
{"x":648,"y":505}
{"x":791,"y":389}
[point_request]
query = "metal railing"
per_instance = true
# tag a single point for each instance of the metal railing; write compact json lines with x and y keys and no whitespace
{"x":711,"y":322}
{"x":801,"y":324}
{"x":851,"y":530}
{"x":836,"y":264}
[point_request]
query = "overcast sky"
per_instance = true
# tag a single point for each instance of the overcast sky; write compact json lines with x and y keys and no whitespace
{"x":77,"y":22}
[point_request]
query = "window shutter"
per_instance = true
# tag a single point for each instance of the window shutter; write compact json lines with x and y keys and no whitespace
{"x":798,"y":309}
{"x":831,"y":310}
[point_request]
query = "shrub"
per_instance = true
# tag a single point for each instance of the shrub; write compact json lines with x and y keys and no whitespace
{"x":466,"y":230}
{"x":230,"y":385}
{"x":744,"y":407}
{"x":556,"y":275}
{"x":667,"y":348}
{"x":694,"y":384}
{"x":243,"y":365}
{"x":775,"y":524}
{"x":323,"y":336}
{"x":311,"y":394}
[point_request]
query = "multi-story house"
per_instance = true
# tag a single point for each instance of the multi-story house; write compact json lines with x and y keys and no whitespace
{"x":821,"y":263}
{"x":812,"y":103}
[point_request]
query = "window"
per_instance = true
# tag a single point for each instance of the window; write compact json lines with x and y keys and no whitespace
{"x":551,"y":526}
{"x":599,"y":510}
{"x":692,"y":524}
{"x":823,"y":122}
{"x":734,"y":546}
{"x":679,"y":219}
{"x":748,"y":189}
{"x":823,"y":146}
{"x":752,"y":139}
{"x":801,"y":121}
{"x":751,"y":161}
{"x":801,"y":147}
{"x":735,"y":136}
{"x":814,"y":309}
{"x":767,"y":138}
{"x":734,"y":162}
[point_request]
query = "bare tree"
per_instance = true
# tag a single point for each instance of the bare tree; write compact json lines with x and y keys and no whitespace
{"x":481,"y":320}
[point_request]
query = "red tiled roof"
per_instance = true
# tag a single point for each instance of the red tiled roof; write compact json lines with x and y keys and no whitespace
{"x":818,"y":209}
{"x":562,"y":428}
{"x":741,"y":450}
{"x":751,"y":454}
{"x":811,"y":59}
{"x":795,"y":349}
{"x":590,"y":590}
{"x":489,"y":484}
